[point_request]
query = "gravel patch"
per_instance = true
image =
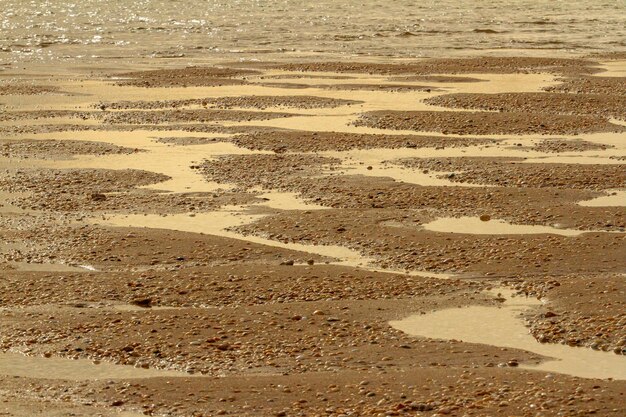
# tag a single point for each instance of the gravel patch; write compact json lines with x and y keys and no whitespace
{"x":258,"y":102}
{"x":513,"y":172}
{"x":303,"y":141}
{"x":487,"y":123}
{"x":185,"y":77}
{"x":602,"y":105}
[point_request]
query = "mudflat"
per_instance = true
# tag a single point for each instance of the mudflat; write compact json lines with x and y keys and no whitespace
{"x":153,"y":234}
{"x":311,"y":236}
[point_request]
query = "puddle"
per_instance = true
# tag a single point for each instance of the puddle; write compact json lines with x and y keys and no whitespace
{"x":613,"y":69}
{"x":179,"y":158}
{"x":216,"y":223}
{"x":374,"y":167}
{"x":49,"y":267}
{"x":618,"y":122}
{"x":16,"y":364}
{"x":616,"y":198}
{"x":608,"y":138}
{"x":475,"y":226}
{"x":508,"y":83}
{"x":502,"y":326}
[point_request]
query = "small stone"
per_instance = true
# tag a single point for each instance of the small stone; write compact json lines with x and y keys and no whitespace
{"x":422,"y":407}
{"x":485,"y":217}
{"x":142,"y":302}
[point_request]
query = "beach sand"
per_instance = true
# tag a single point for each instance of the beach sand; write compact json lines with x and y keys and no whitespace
{"x":301,"y":236}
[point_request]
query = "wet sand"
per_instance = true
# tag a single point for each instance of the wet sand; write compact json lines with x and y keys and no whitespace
{"x":431,"y":237}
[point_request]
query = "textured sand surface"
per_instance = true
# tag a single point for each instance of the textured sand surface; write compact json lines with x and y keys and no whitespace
{"x":425,"y":237}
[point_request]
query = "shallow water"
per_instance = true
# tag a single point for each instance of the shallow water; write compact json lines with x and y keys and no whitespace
{"x":476,"y":226}
{"x":48,"y":267}
{"x":375,"y":168}
{"x":615,"y":198}
{"x":220,"y":223}
{"x":178,"y":166}
{"x":502,"y":326}
{"x":16,"y":364}
{"x":54,"y":29}
{"x":614,"y":69}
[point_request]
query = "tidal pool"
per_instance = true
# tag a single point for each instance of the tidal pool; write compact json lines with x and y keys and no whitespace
{"x":502,"y":326}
